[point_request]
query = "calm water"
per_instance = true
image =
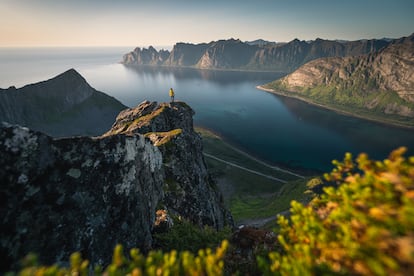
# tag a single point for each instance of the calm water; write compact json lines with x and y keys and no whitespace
{"x":280,"y":130}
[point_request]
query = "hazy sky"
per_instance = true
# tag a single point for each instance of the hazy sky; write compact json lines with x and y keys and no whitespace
{"x":165,"y":22}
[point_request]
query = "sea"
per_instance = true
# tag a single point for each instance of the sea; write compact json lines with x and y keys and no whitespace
{"x":278,"y":130}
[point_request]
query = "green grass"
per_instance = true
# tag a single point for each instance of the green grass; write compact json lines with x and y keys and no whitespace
{"x":248,"y":195}
{"x":350,"y":101}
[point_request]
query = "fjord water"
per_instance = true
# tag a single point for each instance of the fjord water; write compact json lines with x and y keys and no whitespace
{"x":279,"y":130}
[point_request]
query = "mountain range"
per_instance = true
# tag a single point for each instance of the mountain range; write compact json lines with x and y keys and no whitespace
{"x":378,"y":85}
{"x":65,"y":105}
{"x":233,"y":54}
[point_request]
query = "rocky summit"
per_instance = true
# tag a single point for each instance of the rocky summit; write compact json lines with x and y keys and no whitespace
{"x":189,"y":190}
{"x":60,"y":195}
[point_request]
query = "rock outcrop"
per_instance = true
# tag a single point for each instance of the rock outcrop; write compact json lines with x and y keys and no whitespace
{"x":65,"y":105}
{"x":258,"y":55}
{"x":189,"y":190}
{"x":381,"y":82}
{"x":87,"y":194}
{"x":82,"y":194}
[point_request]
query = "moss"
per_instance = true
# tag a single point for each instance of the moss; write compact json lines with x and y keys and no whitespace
{"x":162,"y":138}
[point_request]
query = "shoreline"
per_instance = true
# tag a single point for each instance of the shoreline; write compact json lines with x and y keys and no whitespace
{"x":334,"y":109}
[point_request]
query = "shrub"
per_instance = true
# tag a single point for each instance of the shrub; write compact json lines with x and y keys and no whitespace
{"x":363,"y":225}
{"x":206,"y":262}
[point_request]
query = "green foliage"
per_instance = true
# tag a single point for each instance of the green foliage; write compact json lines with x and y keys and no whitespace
{"x":184,"y":235}
{"x":362,"y":226}
{"x":206,"y":262}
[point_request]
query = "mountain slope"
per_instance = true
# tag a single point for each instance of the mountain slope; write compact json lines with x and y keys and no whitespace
{"x":233,"y":54}
{"x":65,"y":105}
{"x":378,"y":84}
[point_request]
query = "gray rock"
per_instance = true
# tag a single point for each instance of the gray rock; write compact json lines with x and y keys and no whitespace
{"x":75,"y":194}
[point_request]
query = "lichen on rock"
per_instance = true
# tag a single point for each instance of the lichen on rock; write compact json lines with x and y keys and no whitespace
{"x":75,"y":194}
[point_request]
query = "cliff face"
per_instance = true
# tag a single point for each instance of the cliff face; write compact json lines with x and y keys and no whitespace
{"x":382,"y":81}
{"x":288,"y":57}
{"x":234,"y":54}
{"x":186,"y":54}
{"x":189,"y":190}
{"x":75,"y":194}
{"x":59,"y":106}
{"x":226,"y":54}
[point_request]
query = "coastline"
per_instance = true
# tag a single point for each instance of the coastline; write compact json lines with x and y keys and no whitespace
{"x":334,"y":109}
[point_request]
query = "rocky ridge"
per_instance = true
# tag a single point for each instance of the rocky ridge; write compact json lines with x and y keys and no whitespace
{"x":233,"y":54}
{"x":65,"y":105}
{"x":381,"y":81}
{"x":88,"y":194}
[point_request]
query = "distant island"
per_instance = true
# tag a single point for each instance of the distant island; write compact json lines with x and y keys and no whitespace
{"x":378,"y":86}
{"x":258,"y":55}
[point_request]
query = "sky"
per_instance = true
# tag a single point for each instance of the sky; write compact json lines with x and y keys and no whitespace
{"x":32,"y":23}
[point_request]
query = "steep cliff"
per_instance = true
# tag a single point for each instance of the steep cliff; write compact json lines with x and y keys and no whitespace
{"x":189,"y":190}
{"x":75,"y":194}
{"x":65,"y":105}
{"x":381,"y":82}
{"x":186,"y":54}
{"x":235,"y":54}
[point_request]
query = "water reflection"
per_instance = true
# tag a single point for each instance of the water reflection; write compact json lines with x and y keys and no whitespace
{"x":217,"y":76}
{"x":375,"y":138}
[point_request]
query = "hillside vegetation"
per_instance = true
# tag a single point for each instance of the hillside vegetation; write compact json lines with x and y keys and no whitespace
{"x":362,"y":224}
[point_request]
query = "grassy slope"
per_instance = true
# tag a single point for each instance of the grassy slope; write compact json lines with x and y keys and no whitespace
{"x":347,"y":102}
{"x":247,"y":195}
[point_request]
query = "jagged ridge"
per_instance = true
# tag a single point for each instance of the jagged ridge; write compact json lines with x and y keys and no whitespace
{"x":235,"y":54}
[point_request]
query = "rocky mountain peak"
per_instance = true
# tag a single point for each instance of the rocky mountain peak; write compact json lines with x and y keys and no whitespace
{"x":59,"y":106}
{"x":189,"y":190}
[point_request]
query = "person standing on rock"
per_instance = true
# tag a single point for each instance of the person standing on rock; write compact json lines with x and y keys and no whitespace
{"x":172,"y":95}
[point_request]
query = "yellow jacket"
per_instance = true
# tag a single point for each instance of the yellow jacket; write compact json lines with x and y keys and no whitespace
{"x":171,"y":92}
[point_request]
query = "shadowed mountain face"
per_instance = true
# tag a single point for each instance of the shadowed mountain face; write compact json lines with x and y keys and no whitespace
{"x":65,"y":105}
{"x":234,"y":54}
{"x":379,"y":82}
